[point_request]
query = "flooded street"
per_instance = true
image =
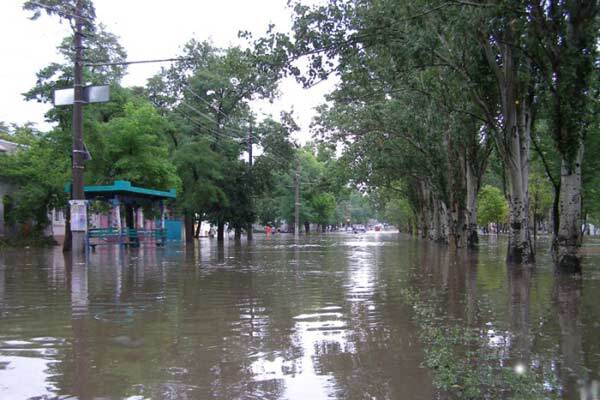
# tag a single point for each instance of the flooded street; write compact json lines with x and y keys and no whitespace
{"x":340,"y":316}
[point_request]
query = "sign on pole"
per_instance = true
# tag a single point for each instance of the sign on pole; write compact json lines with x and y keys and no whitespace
{"x":78,"y":215}
{"x":91,"y":94}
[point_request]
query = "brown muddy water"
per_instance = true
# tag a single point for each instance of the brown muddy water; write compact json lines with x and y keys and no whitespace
{"x":341,"y":316}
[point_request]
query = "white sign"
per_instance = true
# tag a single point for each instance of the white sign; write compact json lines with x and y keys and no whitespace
{"x":78,"y":215}
{"x":91,"y":94}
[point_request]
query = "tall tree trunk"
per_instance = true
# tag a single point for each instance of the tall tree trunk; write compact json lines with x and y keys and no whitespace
{"x":457,"y":225}
{"x":250,"y":231}
{"x":516,"y":162}
{"x":567,"y":240}
{"x":67,"y":243}
{"x":188,"y":221}
{"x":471,"y":211}
{"x":513,"y":138}
{"x":520,"y":249}
{"x":440,"y":222}
{"x":307,"y":227}
{"x":238,"y":233}
{"x":197,"y":233}
{"x":220,"y":231}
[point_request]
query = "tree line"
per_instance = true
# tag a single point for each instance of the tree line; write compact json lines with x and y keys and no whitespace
{"x":440,"y":109}
{"x":190,"y":127}
{"x":431,"y":94}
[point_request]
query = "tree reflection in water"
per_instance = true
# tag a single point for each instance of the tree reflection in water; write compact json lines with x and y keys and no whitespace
{"x":332,"y":316}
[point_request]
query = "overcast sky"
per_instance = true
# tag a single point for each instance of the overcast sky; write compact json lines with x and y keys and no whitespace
{"x":148,"y":29}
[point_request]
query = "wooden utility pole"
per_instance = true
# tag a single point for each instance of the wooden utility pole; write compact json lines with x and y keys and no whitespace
{"x":250,"y":140}
{"x":297,"y":199}
{"x":78,"y":155}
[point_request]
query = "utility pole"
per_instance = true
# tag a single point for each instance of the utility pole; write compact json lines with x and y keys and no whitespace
{"x":250,"y":139}
{"x":78,"y":209}
{"x":297,"y":199}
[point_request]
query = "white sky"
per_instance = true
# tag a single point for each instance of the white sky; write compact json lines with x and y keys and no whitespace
{"x":148,"y":29}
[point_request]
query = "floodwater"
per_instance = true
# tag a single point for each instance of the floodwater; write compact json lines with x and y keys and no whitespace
{"x":339,"y":316}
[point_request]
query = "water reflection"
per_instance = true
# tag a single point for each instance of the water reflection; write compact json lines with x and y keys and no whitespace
{"x":319,"y":317}
{"x":567,"y":297}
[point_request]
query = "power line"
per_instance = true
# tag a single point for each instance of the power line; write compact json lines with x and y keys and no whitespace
{"x":206,"y":129}
{"x":272,"y":153}
{"x":159,"y":60}
{"x":187,"y":87}
{"x":209,"y":117}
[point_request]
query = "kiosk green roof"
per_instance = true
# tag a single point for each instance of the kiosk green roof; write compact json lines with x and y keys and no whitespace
{"x":124,"y":188}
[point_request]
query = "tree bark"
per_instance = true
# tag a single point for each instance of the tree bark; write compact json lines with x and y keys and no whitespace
{"x":220,"y":231}
{"x":250,"y":231}
{"x":67,"y":241}
{"x":517,"y":131}
{"x":471,"y":211}
{"x":188,"y":221}
{"x":440,"y":222}
{"x":520,"y":249}
{"x":197,"y":233}
{"x":513,"y":138}
{"x":567,"y":240}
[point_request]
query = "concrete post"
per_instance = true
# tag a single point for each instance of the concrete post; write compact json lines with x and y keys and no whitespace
{"x":115,"y":215}
{"x":163,"y":233}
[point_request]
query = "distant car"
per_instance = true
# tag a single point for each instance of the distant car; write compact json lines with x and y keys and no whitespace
{"x":358,"y":229}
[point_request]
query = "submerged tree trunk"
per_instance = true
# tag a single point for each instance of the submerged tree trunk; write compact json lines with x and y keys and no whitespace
{"x":220,"y":231}
{"x":457,"y":225}
{"x":440,"y":222}
{"x":307,"y":227}
{"x":516,"y":160}
{"x":520,"y":249}
{"x":197,"y":233}
{"x":249,"y":231}
{"x":567,"y":238}
{"x":471,"y":208}
{"x":188,"y":221}
{"x":68,"y":235}
{"x":513,"y":77}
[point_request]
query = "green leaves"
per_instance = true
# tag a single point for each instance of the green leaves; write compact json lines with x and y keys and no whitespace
{"x":135,"y":149}
{"x":38,"y":173}
{"x":492,"y":206}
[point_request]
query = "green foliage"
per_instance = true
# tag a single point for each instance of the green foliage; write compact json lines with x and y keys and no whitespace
{"x":323,"y":206}
{"x":359,"y":207}
{"x":463,"y":362}
{"x":38,"y":173}
{"x":493,"y":207}
{"x":133,"y":147}
{"x":540,"y":195}
{"x":399,"y":213}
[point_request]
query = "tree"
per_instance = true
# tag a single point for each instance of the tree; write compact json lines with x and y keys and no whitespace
{"x":399,"y":213}
{"x":540,"y":199}
{"x":493,"y":207}
{"x":206,"y":95}
{"x":323,"y":206}
{"x":38,"y":171}
{"x":564,"y":43}
{"x":132,"y":147}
